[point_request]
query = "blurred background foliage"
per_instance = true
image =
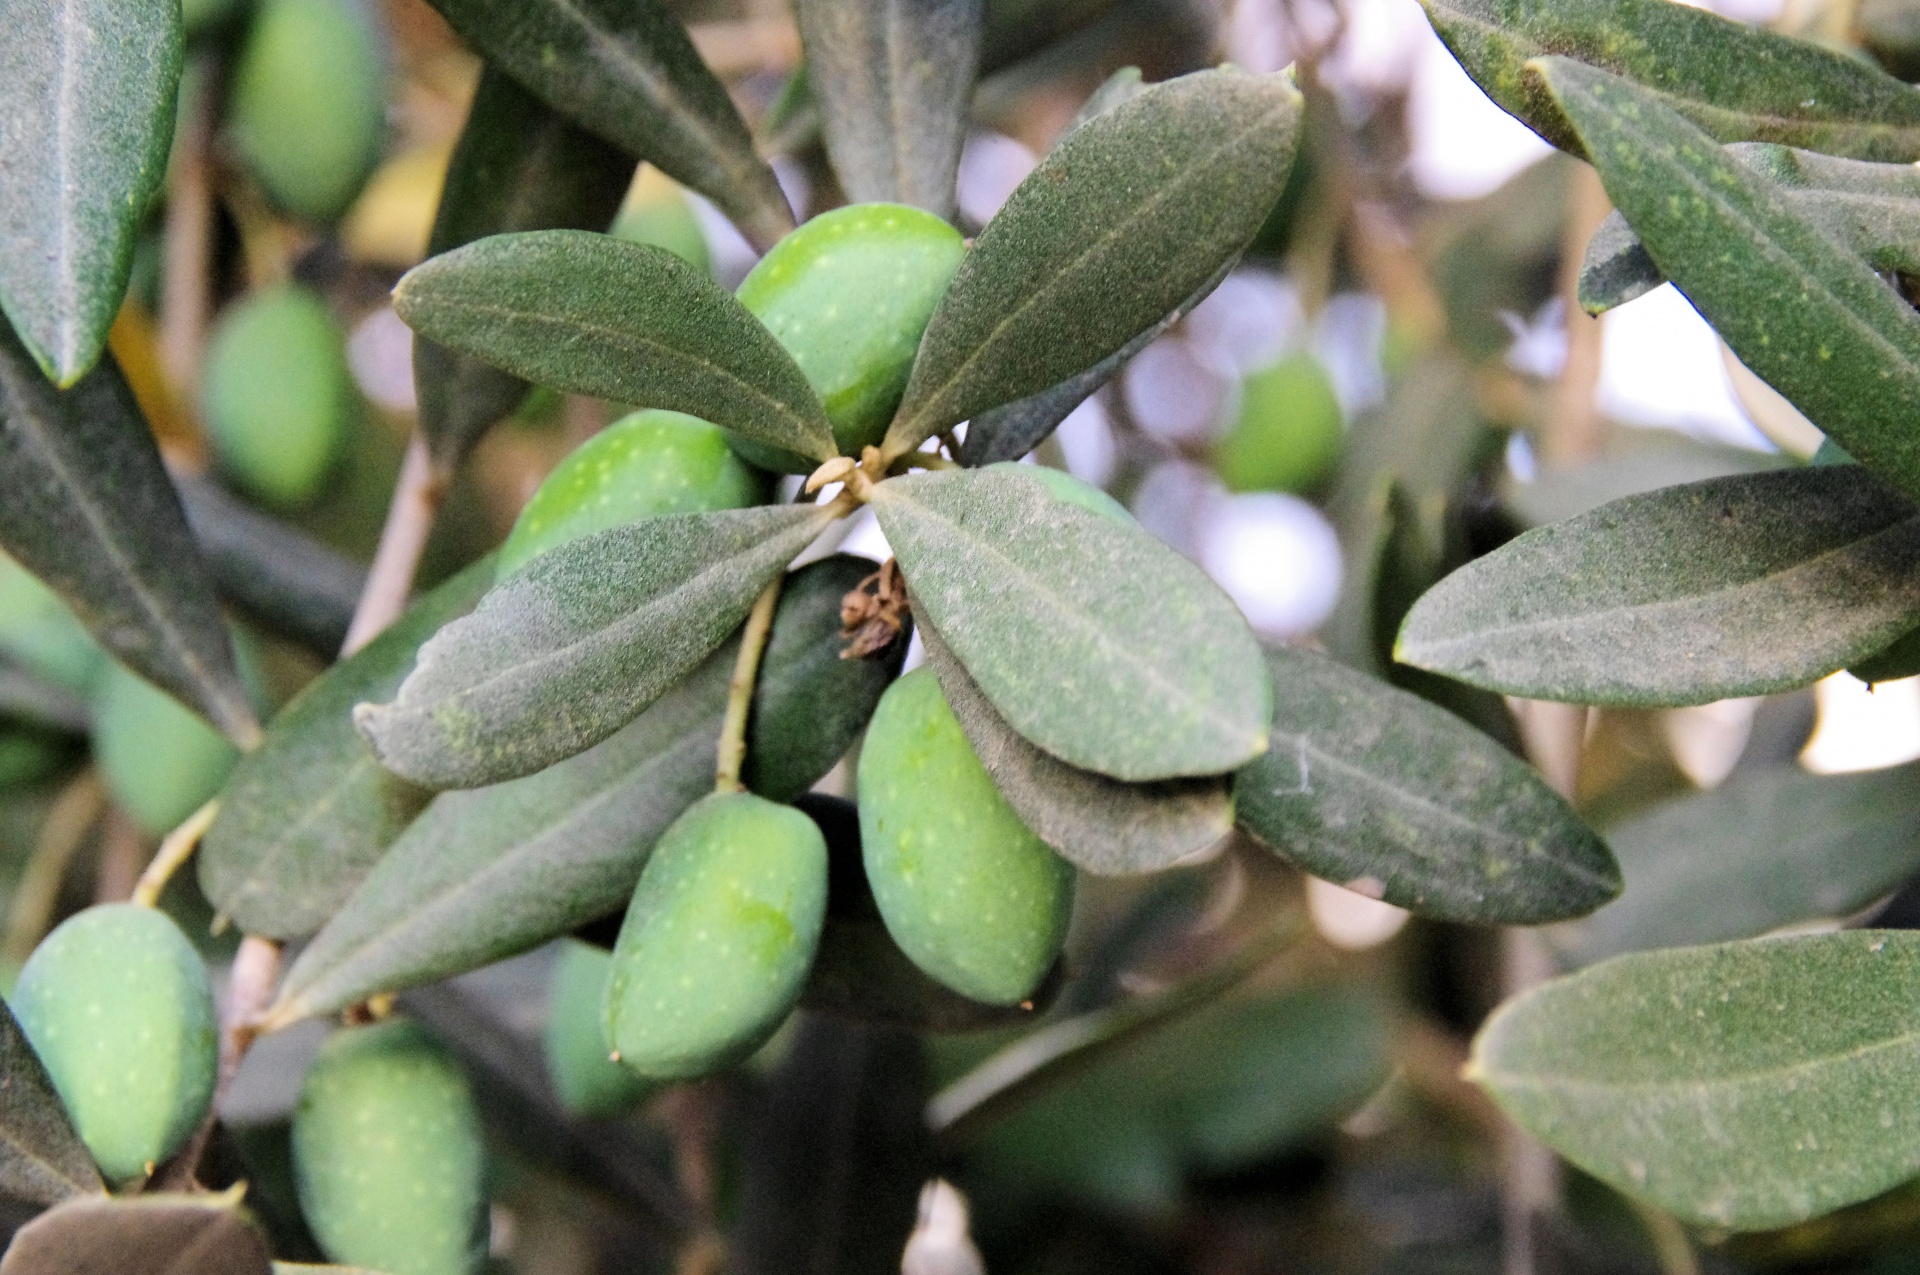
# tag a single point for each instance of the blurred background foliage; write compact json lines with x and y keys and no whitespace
{"x":1393,"y":382}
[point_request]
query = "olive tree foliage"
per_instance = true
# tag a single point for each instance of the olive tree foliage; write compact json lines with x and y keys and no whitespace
{"x":618,"y":721}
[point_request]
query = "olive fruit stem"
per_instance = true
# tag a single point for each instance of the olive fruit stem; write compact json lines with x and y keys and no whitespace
{"x":174,"y":851}
{"x":416,"y":503}
{"x":746,"y":671}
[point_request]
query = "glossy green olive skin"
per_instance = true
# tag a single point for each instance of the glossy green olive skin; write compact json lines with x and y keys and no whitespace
{"x":645,"y":465}
{"x":161,"y":761}
{"x":579,"y":1060}
{"x":117,"y":1004}
{"x":849,"y":295}
{"x":308,"y":108}
{"x":718,"y":940}
{"x":967,"y":891}
{"x":388,"y":1154}
{"x":1288,"y":432}
{"x":277,"y":396}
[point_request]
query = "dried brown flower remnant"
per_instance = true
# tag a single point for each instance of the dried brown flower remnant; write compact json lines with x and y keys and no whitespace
{"x":874,"y":613}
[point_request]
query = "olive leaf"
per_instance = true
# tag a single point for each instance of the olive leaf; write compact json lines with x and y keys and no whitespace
{"x":42,"y":1159}
{"x":1747,"y":1085}
{"x":1738,"y":81}
{"x":141,"y":1235}
{"x":621,"y":321}
{"x":1891,"y":663}
{"x":1376,"y":789}
{"x":1128,"y":217}
{"x":893,"y":81}
{"x":308,"y":813}
{"x":519,"y":165}
{"x":1093,"y":822}
{"x":1769,"y":849}
{"x":627,"y":70}
{"x":1811,"y":319}
{"x":484,"y":874}
{"x":1734,"y":586}
{"x":570,"y":648}
{"x":85,"y":504}
{"x":1091,"y":638}
{"x":87,"y":92}
{"x":1871,"y":209}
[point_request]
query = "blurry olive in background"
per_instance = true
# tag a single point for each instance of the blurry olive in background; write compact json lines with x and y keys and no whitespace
{"x":1890,"y":30}
{"x":657,"y":212}
{"x":29,"y":754}
{"x":39,"y":633}
{"x":1287,"y":435}
{"x":579,"y":1060}
{"x":307,"y":107}
{"x":160,"y":760}
{"x":277,"y":395}
{"x":203,"y":15}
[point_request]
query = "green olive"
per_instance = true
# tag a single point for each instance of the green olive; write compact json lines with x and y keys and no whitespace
{"x":848,"y":295}
{"x":308,"y":106}
{"x":719,"y":937}
{"x":643,"y":466}
{"x":968,"y":892}
{"x":388,"y":1154}
{"x":656,"y":212}
{"x":39,"y":632}
{"x":117,"y":1004}
{"x":160,"y":760}
{"x":1064,"y":486}
{"x":579,"y":1059}
{"x":277,"y":396}
{"x":1288,"y":433}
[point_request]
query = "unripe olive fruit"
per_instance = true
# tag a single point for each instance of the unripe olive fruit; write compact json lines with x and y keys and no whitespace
{"x":719,"y":937}
{"x":28,"y":754}
{"x":848,"y":295}
{"x":388,"y":1154}
{"x":1288,"y":433}
{"x":41,"y":634}
{"x":642,"y":466}
{"x":160,"y":760}
{"x":308,"y":106}
{"x":579,"y":1060}
{"x":967,"y":891}
{"x":1064,"y":486}
{"x":656,"y":212}
{"x":117,"y":1004}
{"x":277,"y":396}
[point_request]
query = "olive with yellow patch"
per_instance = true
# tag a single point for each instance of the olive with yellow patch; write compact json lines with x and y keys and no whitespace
{"x":1288,"y":432}
{"x":718,"y":940}
{"x":579,"y":1063}
{"x":388,"y":1154}
{"x":645,"y":465}
{"x":117,"y":1005}
{"x":849,"y":295}
{"x":967,"y":891}
{"x":308,"y":106}
{"x":277,"y":396}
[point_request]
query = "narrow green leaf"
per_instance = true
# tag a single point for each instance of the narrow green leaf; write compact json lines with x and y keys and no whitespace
{"x":621,"y":321}
{"x":519,"y":165}
{"x":1872,"y":209}
{"x":1748,"y":1085}
{"x":1094,"y":640}
{"x":86,"y":90}
{"x":1769,"y":849}
{"x":574,"y":645}
{"x":1012,"y":430}
{"x":1128,"y":217}
{"x":894,"y":81}
{"x":482,"y":875}
{"x":1808,"y":317}
{"x":307,"y":814}
{"x":141,"y":1235}
{"x":1093,"y":822}
{"x":626,"y":69}
{"x":1891,"y":663}
{"x":85,"y":504}
{"x":42,"y":1160}
{"x":1735,"y":586}
{"x":1376,"y":789}
{"x":1738,"y":81}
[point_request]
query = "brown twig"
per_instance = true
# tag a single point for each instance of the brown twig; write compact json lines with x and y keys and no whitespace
{"x":1576,"y":431}
{"x":186,"y":286}
{"x":416,"y":503}
{"x":72,"y":816}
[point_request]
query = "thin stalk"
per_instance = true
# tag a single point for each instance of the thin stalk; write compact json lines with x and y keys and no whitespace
{"x":72,"y":816}
{"x":173,"y":853}
{"x":746,"y":671}
{"x":416,"y":503}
